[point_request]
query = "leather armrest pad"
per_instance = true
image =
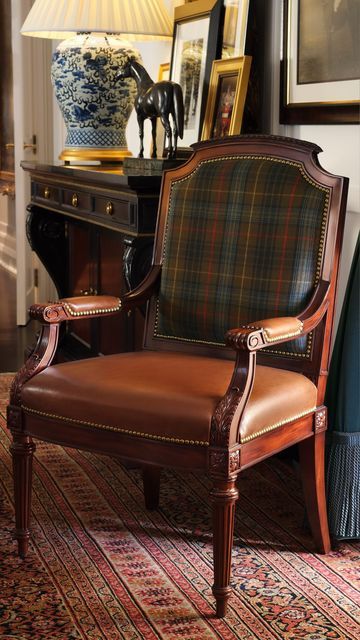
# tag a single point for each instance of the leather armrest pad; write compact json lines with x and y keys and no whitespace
{"x":75,"y":308}
{"x":90,"y":305}
{"x":263,"y":332}
{"x":279,"y":328}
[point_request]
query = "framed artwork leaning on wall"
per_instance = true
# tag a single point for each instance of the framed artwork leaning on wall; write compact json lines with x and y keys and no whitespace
{"x":196,"y":43}
{"x":226,"y":99}
{"x":321,"y":62}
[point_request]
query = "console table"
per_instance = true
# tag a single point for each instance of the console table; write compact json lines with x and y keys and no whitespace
{"x":93,"y":230}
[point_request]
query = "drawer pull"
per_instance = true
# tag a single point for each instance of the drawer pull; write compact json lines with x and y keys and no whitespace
{"x":75,"y":200}
{"x":109,"y":208}
{"x":47,"y":193}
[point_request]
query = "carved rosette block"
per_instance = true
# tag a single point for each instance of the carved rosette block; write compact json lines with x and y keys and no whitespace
{"x":13,"y":418}
{"x":223,"y":463}
{"x":320,"y":420}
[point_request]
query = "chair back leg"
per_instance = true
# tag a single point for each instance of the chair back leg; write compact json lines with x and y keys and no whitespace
{"x":223,"y":496}
{"x":312,"y":466}
{"x":151,"y":483}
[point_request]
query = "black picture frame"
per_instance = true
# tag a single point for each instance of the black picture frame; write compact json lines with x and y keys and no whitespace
{"x":322,"y":108}
{"x":205,"y":18}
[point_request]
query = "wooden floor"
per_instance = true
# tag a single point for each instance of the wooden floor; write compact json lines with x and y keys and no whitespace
{"x":13,"y":339}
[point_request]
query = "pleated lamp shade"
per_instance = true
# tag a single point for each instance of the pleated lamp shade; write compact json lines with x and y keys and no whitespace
{"x":94,"y":101}
{"x":134,"y":19}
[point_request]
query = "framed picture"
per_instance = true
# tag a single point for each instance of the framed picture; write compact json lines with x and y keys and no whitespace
{"x":321,"y":62}
{"x":226,"y":100}
{"x":235,"y":25}
{"x":196,"y":44}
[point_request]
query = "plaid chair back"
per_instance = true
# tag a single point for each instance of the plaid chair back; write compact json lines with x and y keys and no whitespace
{"x":243,"y":242}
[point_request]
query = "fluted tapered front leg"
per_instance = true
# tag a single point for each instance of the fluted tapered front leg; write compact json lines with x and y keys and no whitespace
{"x":22,"y":450}
{"x":224,"y":495}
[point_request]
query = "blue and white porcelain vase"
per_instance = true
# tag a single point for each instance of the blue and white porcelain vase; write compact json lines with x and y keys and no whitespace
{"x":95,"y":105}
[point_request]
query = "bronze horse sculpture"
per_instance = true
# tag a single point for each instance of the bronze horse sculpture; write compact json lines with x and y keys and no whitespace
{"x":156,"y":100}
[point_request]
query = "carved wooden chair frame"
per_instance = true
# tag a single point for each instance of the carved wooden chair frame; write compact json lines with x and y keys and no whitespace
{"x":225,"y":456}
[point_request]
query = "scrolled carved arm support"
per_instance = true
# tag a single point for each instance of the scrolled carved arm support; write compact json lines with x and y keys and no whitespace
{"x":50,"y":316}
{"x":41,"y":358}
{"x":144,"y":291}
{"x":246,"y":341}
{"x":228,"y":411}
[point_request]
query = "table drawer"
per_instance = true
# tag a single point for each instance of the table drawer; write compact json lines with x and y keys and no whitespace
{"x":43,"y":192}
{"x":113,"y":209}
{"x":76,"y":200}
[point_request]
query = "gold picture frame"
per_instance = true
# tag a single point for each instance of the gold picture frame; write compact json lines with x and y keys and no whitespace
{"x":226,"y":98}
{"x":236,"y":14}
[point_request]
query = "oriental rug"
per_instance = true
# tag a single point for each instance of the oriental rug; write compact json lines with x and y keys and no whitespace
{"x":101,"y":567}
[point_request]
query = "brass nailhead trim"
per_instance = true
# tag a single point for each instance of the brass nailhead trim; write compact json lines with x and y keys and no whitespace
{"x":276,"y":425}
{"x":129,"y":432}
{"x":191,"y":340}
{"x":150,"y":436}
{"x":90,"y":312}
{"x":307,"y":353}
{"x":281,"y":337}
{"x":284,"y":336}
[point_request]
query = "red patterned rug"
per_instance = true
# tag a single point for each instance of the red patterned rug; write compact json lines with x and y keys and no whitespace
{"x":103,"y":568}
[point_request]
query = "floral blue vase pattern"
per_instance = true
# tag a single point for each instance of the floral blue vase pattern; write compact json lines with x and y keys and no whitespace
{"x":94,"y":104}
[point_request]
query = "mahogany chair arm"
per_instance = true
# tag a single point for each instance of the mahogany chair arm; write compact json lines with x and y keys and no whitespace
{"x":51,"y":315}
{"x":144,"y":290}
{"x":264,"y":333}
{"x":246,"y":341}
{"x":77,"y":308}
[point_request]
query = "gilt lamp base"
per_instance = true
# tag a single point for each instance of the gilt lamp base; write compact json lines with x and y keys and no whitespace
{"x":100,"y":154}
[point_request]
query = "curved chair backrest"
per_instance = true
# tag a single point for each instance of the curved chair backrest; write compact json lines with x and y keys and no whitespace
{"x":247,"y":231}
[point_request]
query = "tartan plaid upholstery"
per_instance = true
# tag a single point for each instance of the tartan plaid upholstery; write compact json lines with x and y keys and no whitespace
{"x":243,"y":242}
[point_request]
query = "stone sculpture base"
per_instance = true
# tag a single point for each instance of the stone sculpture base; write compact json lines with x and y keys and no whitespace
{"x":149,"y":166}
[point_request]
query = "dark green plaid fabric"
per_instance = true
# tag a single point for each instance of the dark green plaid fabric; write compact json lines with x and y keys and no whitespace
{"x":242,"y":244}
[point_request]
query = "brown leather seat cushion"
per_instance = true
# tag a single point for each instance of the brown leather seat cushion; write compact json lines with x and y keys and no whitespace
{"x":163,"y":395}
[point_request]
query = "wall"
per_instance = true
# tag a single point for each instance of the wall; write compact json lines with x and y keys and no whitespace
{"x":341,"y":155}
{"x":340,"y":145}
{"x":7,"y":234}
{"x":7,"y":209}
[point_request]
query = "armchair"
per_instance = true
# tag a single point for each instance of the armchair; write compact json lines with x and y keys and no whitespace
{"x":240,"y":299}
